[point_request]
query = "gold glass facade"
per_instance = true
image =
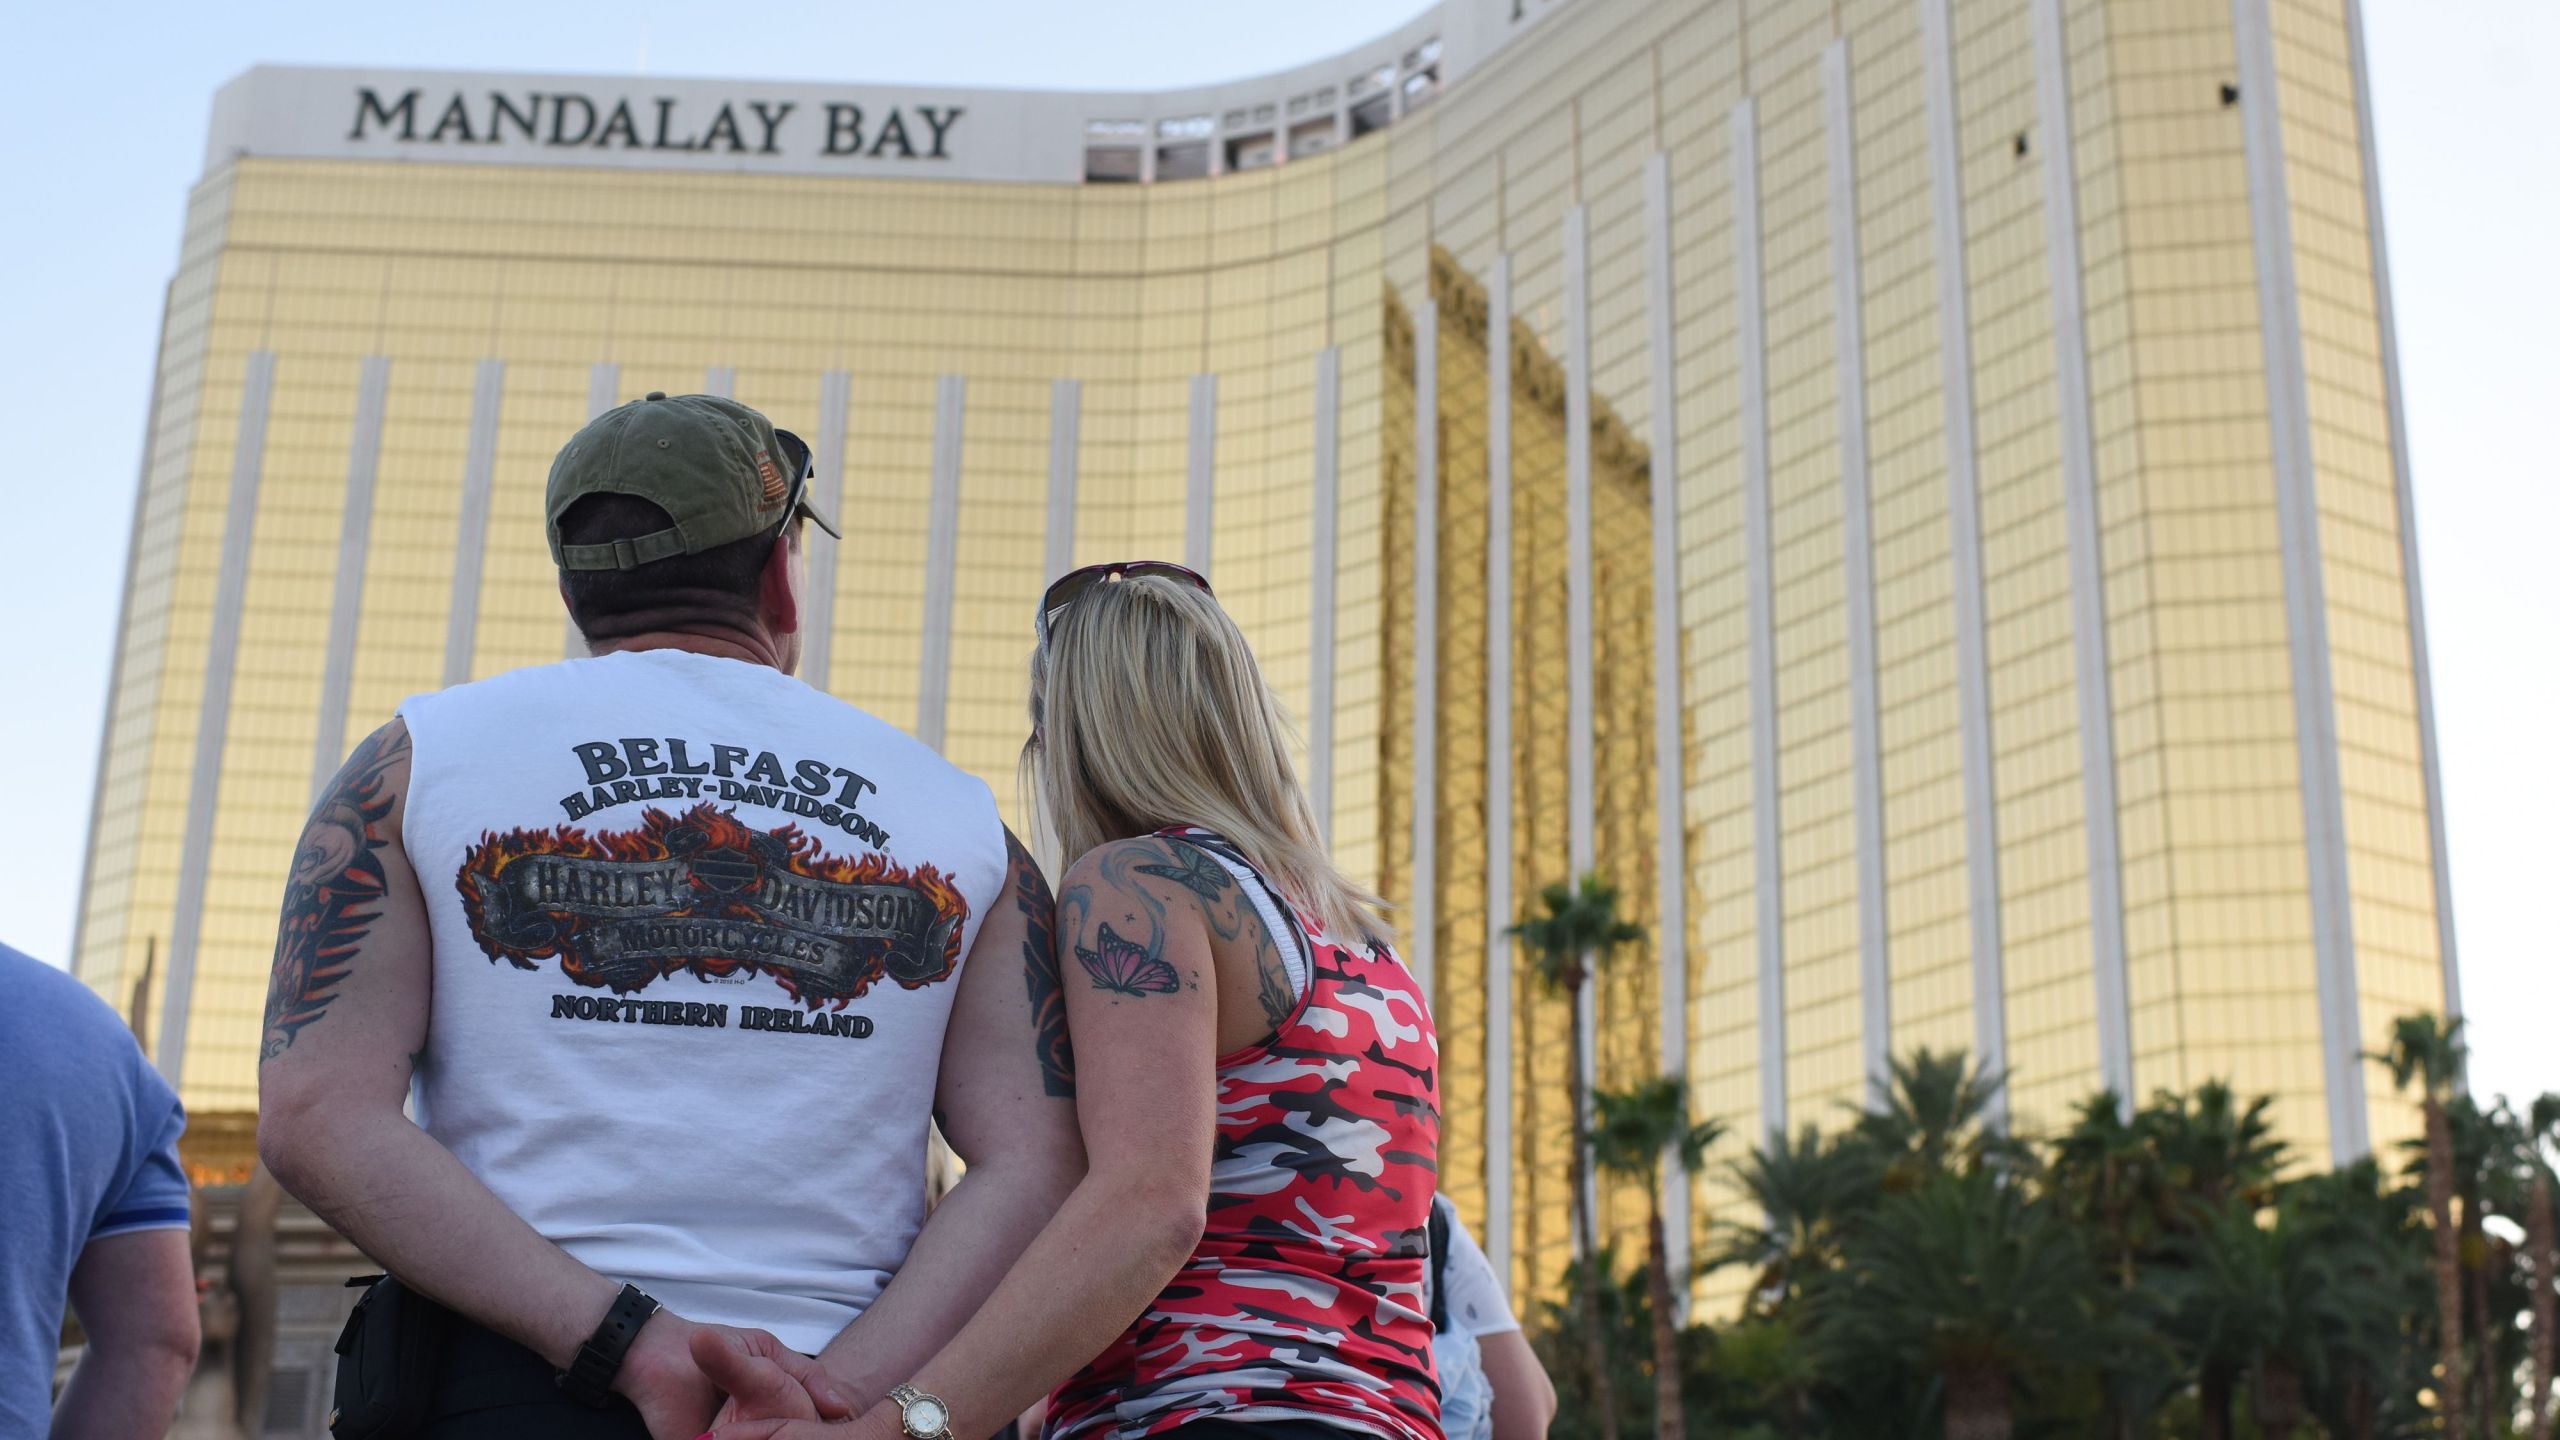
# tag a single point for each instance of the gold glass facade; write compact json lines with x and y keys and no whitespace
{"x":1952,"y":114}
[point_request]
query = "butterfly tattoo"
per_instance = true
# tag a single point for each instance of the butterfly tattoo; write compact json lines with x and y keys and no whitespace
{"x":1122,"y":968}
{"x":1193,"y":871}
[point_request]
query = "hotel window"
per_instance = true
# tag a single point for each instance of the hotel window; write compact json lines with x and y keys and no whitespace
{"x":1185,"y":153}
{"x":1373,"y":100}
{"x":1312,"y":137}
{"x":1421,"y":74}
{"x":1252,"y":152}
{"x":1115,"y":151}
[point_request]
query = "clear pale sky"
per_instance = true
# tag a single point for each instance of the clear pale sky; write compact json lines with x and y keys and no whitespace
{"x":102,"y":122}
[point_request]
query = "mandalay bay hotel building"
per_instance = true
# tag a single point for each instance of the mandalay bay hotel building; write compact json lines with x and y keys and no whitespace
{"x":1912,"y":490}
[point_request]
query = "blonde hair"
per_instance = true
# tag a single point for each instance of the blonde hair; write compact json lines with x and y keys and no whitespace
{"x":1147,"y":710}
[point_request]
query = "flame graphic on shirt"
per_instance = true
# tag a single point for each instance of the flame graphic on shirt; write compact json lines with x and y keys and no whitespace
{"x":703,"y":892}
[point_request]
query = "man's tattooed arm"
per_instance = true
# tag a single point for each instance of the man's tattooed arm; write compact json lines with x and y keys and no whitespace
{"x":1040,"y":972}
{"x":335,"y":890}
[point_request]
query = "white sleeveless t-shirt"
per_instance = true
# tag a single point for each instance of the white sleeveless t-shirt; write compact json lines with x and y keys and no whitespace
{"x":697,"y":928}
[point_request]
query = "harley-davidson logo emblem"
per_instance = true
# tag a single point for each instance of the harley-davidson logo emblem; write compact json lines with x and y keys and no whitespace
{"x":702,"y":892}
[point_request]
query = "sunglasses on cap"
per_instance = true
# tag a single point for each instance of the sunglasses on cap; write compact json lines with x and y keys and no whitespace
{"x":1062,"y":595}
{"x":803,"y":466}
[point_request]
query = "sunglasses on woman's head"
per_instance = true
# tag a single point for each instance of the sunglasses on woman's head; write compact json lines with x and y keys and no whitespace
{"x":1062,"y":595}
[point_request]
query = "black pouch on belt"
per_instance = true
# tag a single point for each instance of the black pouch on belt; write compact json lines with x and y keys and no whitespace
{"x":387,"y":1359}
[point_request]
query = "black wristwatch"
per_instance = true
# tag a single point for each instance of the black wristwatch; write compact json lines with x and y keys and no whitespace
{"x":589,"y":1378}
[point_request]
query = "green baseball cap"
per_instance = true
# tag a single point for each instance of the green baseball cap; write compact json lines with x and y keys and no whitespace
{"x":720,"y":471}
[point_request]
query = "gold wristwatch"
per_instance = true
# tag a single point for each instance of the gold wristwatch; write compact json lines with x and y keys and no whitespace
{"x":922,"y":1416}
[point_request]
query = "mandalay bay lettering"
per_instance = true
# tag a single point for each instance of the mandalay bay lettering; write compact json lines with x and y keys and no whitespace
{"x":634,"y":770}
{"x":564,"y":121}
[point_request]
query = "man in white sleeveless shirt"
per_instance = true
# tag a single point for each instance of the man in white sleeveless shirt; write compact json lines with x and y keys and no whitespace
{"x":672,"y":957}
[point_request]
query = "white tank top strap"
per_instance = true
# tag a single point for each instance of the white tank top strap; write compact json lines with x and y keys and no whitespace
{"x":1278,"y":916}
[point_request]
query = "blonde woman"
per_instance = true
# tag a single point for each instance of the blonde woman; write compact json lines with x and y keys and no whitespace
{"x":1255,"y":1075}
{"x":1217,"y":963}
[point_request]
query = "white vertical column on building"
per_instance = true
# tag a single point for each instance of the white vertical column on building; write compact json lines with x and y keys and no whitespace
{"x":2088,"y":560}
{"x":2315,"y":713}
{"x":1857,"y":548}
{"x":346,"y":591}
{"x":1423,"y":912}
{"x":826,"y":490}
{"x":1769,"y":909}
{"x":720,"y":380}
{"x":213,"y":710}
{"x":1964,"y":524}
{"x":2419,"y":669}
{"x":1323,"y":559}
{"x":471,"y":531}
{"x":604,"y":383}
{"x":1581,"y":803}
{"x":1066,"y":419}
{"x":1500,"y":961}
{"x":1200,"y":468}
{"x":1670,"y":749}
{"x":941,"y":560}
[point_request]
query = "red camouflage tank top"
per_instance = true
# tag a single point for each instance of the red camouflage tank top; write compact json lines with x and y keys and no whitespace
{"x":1305,"y":1299}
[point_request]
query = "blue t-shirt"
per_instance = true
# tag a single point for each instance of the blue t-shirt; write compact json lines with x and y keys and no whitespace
{"x":88,"y":1149}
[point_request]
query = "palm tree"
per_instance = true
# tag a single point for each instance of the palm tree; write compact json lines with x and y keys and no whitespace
{"x":2486,"y":1144}
{"x":1576,"y":936}
{"x":1636,"y":1128}
{"x":2212,"y":1147}
{"x":253,"y":1286}
{"x":1935,"y":1118}
{"x":2541,"y":1137}
{"x":2213,"y":1151}
{"x":1967,"y":1280}
{"x":2365,"y":1221}
{"x":1804,"y":1192}
{"x":2427,"y":1051}
{"x":2280,"y":1301}
{"x":2107,"y":1180}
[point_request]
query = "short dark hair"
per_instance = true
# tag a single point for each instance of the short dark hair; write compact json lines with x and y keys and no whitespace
{"x":720,"y":583}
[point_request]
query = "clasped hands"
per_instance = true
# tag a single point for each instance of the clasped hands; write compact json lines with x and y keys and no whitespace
{"x":690,"y":1380}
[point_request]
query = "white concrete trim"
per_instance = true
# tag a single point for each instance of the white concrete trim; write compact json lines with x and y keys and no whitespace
{"x":1501,"y":953}
{"x":941,"y":561}
{"x":2095,"y":690}
{"x":2419,"y":667}
{"x":1670,"y":750}
{"x":1768,"y":870}
{"x":1066,"y":430}
{"x":1964,"y":524}
{"x":1200,"y":478}
{"x":213,"y":711}
{"x":1858,"y":563}
{"x":1323,"y":561}
{"x":2315,"y":715}
{"x":826,"y":491}
{"x":1422,"y":931}
{"x":346,"y":592}
{"x":471,"y":529}
{"x":721,"y":380}
{"x":1581,"y":801}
